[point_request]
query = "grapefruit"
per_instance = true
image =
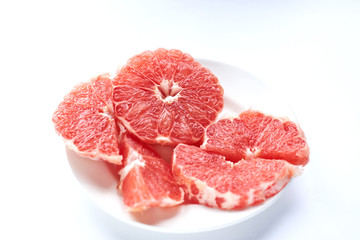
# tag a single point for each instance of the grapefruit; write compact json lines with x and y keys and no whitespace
{"x":84,"y":119}
{"x":166,"y":97}
{"x":211,"y":180}
{"x":146,"y":179}
{"x":256,"y":135}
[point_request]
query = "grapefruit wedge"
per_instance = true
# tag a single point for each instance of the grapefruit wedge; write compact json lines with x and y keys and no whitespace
{"x":84,"y":119}
{"x":166,"y":97}
{"x":146,"y":179}
{"x":256,"y":135}
{"x":211,"y":180}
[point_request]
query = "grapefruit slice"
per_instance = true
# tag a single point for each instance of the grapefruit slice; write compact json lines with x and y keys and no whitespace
{"x":166,"y":97}
{"x":256,"y":135}
{"x":211,"y":180}
{"x":84,"y":119}
{"x":146,"y":179}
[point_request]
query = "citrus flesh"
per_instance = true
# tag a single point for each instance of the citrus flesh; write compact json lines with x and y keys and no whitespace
{"x":211,"y":180}
{"x":166,"y":97}
{"x":84,"y":119}
{"x":146,"y":179}
{"x":256,"y":135}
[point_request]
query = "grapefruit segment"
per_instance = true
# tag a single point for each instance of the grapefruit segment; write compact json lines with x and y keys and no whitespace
{"x":256,"y":135}
{"x":146,"y":179}
{"x":211,"y":180}
{"x":84,"y":119}
{"x":166,"y":97}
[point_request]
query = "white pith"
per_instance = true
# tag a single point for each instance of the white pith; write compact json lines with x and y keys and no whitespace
{"x":207,"y":195}
{"x":252,"y":153}
{"x":171,"y":89}
{"x":162,"y":139}
{"x":106,"y":113}
{"x":134,"y":160}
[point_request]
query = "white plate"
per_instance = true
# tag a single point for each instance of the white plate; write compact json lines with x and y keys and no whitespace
{"x":242,"y":91}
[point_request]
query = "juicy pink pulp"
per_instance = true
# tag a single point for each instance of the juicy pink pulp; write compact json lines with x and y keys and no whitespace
{"x":256,"y":135}
{"x":211,"y":180}
{"x":84,"y":119}
{"x":166,"y":97}
{"x":146,"y":179}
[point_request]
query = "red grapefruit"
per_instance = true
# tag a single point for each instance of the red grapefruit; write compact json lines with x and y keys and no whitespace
{"x":166,"y":97}
{"x":146,"y":179}
{"x":256,"y":135}
{"x":209,"y":179}
{"x":84,"y":119}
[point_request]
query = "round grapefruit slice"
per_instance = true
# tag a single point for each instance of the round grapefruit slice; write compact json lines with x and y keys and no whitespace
{"x":256,"y":135}
{"x":84,"y":119}
{"x":166,"y":97}
{"x":146,"y":179}
{"x":211,"y":180}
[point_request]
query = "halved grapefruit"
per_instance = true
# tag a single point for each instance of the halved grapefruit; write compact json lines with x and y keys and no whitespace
{"x":256,"y":135}
{"x":146,"y":179}
{"x":84,"y":119}
{"x":166,"y":97}
{"x":211,"y":180}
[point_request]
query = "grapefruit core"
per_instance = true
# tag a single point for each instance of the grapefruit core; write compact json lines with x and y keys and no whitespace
{"x":146,"y":179}
{"x":211,"y":180}
{"x":84,"y":119}
{"x":166,"y":97}
{"x":256,"y":135}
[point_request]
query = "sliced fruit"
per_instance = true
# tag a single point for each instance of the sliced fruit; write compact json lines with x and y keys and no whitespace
{"x":166,"y":97}
{"x":84,"y":119}
{"x":146,"y":179}
{"x":209,"y":179}
{"x":257,"y":135}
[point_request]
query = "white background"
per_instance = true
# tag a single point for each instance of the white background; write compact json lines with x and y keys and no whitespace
{"x":308,"y":50}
